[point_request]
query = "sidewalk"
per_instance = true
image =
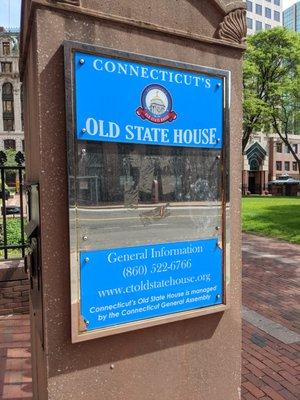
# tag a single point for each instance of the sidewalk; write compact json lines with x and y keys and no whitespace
{"x":271,"y":277}
{"x":271,"y":342}
{"x":15,"y":367}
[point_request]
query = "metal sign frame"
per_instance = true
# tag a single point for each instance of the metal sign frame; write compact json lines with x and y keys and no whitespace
{"x":78,"y":332}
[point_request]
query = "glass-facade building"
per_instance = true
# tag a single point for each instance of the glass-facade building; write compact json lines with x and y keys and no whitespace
{"x":263,"y":14}
{"x":291,"y":17}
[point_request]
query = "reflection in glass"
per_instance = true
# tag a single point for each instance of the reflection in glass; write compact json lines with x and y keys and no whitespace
{"x":131,"y":175}
{"x":130,"y":194}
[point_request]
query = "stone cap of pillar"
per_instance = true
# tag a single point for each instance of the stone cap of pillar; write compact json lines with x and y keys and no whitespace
{"x":229,"y":29}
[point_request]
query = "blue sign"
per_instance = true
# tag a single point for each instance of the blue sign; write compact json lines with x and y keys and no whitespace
{"x":123,"y":285}
{"x":130,"y":102}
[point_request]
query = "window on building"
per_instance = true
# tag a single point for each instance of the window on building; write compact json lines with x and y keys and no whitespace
{"x":9,"y":144}
{"x":6,"y":48}
{"x":249,"y":6}
{"x":277,"y":2}
{"x":23,"y":146}
{"x":6,"y":67}
{"x":286,"y":149}
{"x":267,"y":26}
{"x":258,"y":9}
{"x":277,"y":16}
{"x":279,"y":147}
{"x":268,"y":12}
{"x":295,"y":166}
{"x":278,"y":165}
{"x":295,"y":147}
{"x":287,"y":165}
{"x":7,"y":90}
{"x":8,"y":106}
{"x":8,"y":125}
{"x":249,"y":23}
{"x":258,"y":25}
{"x":254,"y":165}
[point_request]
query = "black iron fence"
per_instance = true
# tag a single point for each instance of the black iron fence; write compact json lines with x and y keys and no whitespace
{"x":13,"y":213}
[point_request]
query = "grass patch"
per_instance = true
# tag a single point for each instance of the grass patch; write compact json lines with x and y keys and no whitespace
{"x":277,"y":217}
{"x":13,"y":236}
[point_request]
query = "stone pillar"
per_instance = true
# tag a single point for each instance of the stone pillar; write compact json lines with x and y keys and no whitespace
{"x":245,"y":181}
{"x":260,"y":181}
{"x":264,"y":180}
{"x":198,"y":358}
{"x":17,"y":106}
{"x":18,"y":144}
{"x":1,"y":108}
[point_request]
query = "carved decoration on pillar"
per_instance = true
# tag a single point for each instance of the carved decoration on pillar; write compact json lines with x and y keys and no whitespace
{"x":234,"y":28}
{"x":73,"y":2}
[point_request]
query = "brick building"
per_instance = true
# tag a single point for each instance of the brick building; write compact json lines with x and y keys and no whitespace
{"x":266,"y":159}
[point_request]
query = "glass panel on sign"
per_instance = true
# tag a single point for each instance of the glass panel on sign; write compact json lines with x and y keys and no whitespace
{"x":131,"y":194}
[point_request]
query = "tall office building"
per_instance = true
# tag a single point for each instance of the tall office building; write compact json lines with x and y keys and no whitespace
{"x":263,"y":14}
{"x":291,"y":17}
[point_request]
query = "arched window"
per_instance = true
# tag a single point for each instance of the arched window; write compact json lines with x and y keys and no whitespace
{"x":9,"y":144}
{"x":254,"y":165}
{"x":7,"y":89}
{"x":8,"y":107}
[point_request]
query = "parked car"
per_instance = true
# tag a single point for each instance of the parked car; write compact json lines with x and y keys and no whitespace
{"x":11,"y":210}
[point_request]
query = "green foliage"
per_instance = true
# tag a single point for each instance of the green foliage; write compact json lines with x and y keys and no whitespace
{"x":13,"y":230}
{"x":10,"y":154}
{"x":271,"y":78}
{"x":10,"y":176}
{"x":277,"y":217}
{"x":13,"y":226}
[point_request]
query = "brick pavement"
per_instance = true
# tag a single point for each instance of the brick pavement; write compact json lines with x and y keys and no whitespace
{"x":271,"y":369}
{"x":271,"y":272}
{"x":15,"y":367}
{"x":271,"y":277}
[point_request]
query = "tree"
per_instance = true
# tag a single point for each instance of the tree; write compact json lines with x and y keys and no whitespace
{"x":284,"y":104}
{"x":271,"y":84}
{"x":10,"y":154}
{"x":253,"y":103}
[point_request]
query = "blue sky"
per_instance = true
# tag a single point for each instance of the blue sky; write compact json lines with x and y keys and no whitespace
{"x":10,"y":15}
{"x":288,"y":3}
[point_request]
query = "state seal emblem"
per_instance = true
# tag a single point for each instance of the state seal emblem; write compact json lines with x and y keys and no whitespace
{"x":156,"y":105}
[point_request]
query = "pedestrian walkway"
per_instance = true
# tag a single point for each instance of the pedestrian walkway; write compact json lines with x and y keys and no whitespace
{"x":271,"y":276}
{"x":15,"y":367}
{"x":271,"y":272}
{"x":271,"y":367}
